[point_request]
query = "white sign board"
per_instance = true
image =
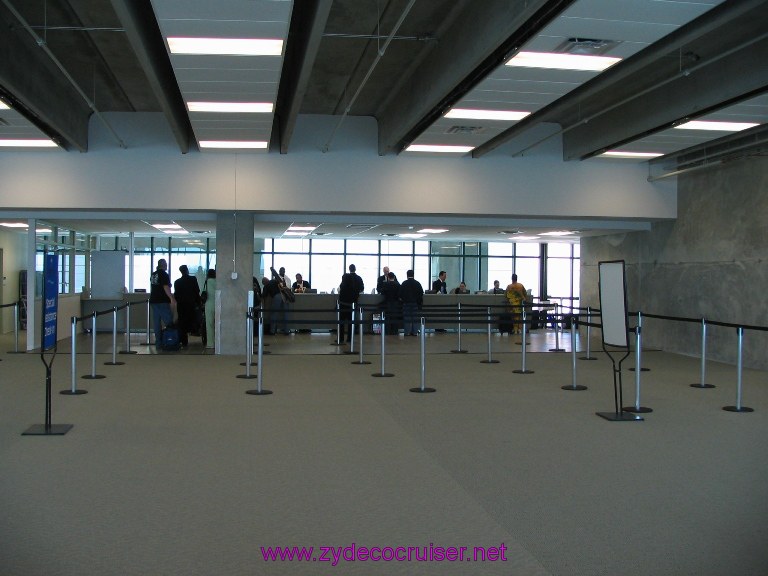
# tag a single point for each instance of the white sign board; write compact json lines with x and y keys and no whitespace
{"x":613,"y":303}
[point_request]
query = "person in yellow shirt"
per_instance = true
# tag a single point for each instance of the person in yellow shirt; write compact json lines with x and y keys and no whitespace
{"x":516,"y":296}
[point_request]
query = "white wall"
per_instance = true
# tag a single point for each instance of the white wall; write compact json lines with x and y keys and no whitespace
{"x":151,"y":174}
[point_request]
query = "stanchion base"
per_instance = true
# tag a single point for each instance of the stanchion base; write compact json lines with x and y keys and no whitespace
{"x":336,"y":343}
{"x":93,"y":376}
{"x":360,"y":362}
{"x":577,"y":387}
{"x":737,"y":409}
{"x":702,"y":385}
{"x":247,"y":376}
{"x":459,"y":351}
{"x":527,"y":343}
{"x":52,"y":430}
{"x":489,"y":361}
{"x":637,"y":410}
{"x":114,"y":363}
{"x":71,"y":392}
{"x":620,"y":416}
{"x":252,"y":364}
{"x":258,"y":392}
{"x":641,"y":369}
{"x":587,"y":358}
{"x":382,"y":375}
{"x":423,"y":390}
{"x":127,"y":352}
{"x":351,"y":352}
{"x":557,"y":349}
{"x":17,"y":352}
{"x":523,"y":371}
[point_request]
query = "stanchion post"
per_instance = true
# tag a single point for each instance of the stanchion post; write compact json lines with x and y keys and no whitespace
{"x":16,"y":328}
{"x":639,"y":344}
{"x":523,"y":369}
{"x":259,"y":373}
{"x":127,"y":330}
{"x":423,"y":342}
{"x":573,"y":385}
{"x":73,"y":391}
{"x":337,"y":341}
{"x":558,"y":327}
{"x":148,"y":319}
{"x":490,"y":359}
{"x":703,"y":384}
{"x":459,"y":350}
{"x":637,"y":408}
{"x":362,"y":315}
{"x":738,"y":407}
{"x":93,"y":375}
{"x":589,"y":336}
{"x":383,"y":373}
{"x":114,"y":361}
{"x":248,"y":346}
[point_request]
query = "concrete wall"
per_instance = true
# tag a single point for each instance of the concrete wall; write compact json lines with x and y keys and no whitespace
{"x":711,"y":262}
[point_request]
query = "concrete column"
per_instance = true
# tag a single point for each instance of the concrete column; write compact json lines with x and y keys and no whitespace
{"x":234,"y":277}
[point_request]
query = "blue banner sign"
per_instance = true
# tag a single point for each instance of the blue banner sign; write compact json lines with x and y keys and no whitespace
{"x":50,"y":301}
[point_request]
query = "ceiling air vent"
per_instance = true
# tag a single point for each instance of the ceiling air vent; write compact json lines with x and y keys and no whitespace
{"x":586,"y":46}
{"x":470,"y":130}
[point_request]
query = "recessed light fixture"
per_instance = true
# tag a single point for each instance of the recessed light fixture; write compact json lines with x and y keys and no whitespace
{"x":4,"y":106}
{"x":36,"y":143}
{"x":230,"y":107}
{"x":472,"y":114}
{"x":226,"y":46}
{"x":631,"y":155}
{"x":411,"y":235}
{"x":14,"y":225}
{"x":558,"y":233}
{"x":294,"y":233}
{"x":432,"y":230}
{"x":562,"y":61}
{"x":301,"y":228}
{"x":234,"y":144}
{"x":439,"y":148}
{"x":516,"y":238}
{"x":719,"y":126}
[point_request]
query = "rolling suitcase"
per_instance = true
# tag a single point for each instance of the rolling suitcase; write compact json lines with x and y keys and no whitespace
{"x":170,"y":339}
{"x":505,"y":323}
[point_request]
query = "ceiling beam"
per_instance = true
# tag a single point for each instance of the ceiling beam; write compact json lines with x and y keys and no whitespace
{"x":658,"y":86}
{"x":143,"y":33}
{"x":37,"y":87}
{"x":481,"y":38}
{"x":308,"y":21}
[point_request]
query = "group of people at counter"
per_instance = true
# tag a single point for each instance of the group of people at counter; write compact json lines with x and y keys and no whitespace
{"x":188,"y":307}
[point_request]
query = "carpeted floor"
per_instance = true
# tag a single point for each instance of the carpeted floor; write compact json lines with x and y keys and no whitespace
{"x":171,"y":468}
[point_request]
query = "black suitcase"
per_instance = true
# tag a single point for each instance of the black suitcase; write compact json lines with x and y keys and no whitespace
{"x":170,"y":338}
{"x":505,"y":323}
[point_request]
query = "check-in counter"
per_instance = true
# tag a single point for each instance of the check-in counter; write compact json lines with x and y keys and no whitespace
{"x":104,"y":321}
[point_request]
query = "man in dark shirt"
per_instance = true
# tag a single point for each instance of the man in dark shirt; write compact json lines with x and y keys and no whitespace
{"x":160,"y":300}
{"x":349,"y":292}
{"x":438,"y":286}
{"x":390,"y":289}
{"x":186,"y":290}
{"x":411,"y":295}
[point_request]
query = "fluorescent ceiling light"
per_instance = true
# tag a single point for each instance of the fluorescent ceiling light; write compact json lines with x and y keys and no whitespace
{"x":623,"y":154}
{"x":166,"y":226}
{"x":295,"y":233}
{"x":558,"y":233}
{"x":433,"y":230}
{"x":300,"y":228}
{"x":411,"y":235}
{"x":28,"y":144}
{"x":262,"y":107}
{"x":439,"y":148}
{"x":720,"y":126}
{"x":226,"y":46}
{"x":562,"y":61}
{"x":225,"y":144}
{"x":473,"y":114}
{"x":4,"y":106}
{"x":517,"y":238}
{"x":14,"y":225}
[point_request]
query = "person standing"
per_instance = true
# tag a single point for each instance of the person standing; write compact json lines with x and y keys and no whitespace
{"x":160,"y":300}
{"x":439,"y":286}
{"x":210,"y":308}
{"x":349,"y":291}
{"x":187,"y":293}
{"x":516,"y":296}
{"x":390,"y":290}
{"x":412,"y":296}
{"x":496,"y":288}
{"x":383,"y":278}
